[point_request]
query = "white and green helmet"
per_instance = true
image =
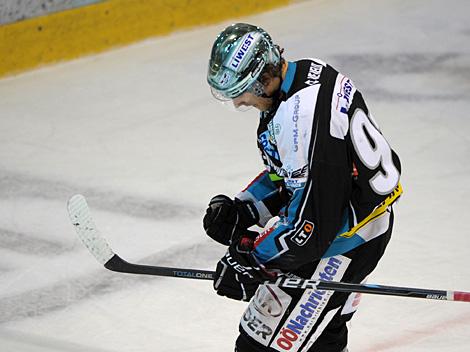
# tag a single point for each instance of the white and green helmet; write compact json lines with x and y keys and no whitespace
{"x":239,"y":54}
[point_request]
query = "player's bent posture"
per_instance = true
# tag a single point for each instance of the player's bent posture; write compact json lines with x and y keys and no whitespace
{"x":330,"y":180}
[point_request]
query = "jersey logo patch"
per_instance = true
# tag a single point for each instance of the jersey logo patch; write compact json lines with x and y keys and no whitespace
{"x":303,"y":234}
{"x":266,"y":143}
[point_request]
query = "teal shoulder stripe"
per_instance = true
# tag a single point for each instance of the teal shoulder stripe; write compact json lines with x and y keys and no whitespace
{"x":342,"y":245}
{"x":287,"y":83}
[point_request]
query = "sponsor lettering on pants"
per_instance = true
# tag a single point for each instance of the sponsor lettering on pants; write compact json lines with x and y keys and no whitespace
{"x":305,"y":315}
{"x":264,"y":313}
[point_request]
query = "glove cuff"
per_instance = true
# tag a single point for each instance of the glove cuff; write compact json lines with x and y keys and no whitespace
{"x":247,"y":212}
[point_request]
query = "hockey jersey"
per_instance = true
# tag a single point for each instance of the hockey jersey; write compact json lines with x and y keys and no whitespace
{"x":331,"y":176}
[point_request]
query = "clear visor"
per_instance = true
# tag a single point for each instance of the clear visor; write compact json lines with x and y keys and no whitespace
{"x":256,"y":88}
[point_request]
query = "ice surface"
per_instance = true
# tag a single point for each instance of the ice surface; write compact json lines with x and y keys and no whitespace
{"x":136,"y":131}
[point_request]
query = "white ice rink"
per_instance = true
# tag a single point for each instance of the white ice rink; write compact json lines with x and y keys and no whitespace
{"x":137,"y":132}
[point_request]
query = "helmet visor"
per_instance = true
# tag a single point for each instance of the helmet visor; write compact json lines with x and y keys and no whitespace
{"x":228,"y":102}
{"x":256,"y":88}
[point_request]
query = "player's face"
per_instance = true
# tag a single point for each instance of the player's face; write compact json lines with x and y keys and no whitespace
{"x":248,"y":99}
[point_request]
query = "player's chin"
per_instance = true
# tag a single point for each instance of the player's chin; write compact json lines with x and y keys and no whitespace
{"x":264,"y":104}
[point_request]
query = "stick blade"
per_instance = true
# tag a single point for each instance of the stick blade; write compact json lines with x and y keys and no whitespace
{"x":81,"y":219}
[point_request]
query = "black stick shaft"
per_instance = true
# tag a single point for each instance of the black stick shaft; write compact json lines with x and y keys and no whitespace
{"x":85,"y":227}
{"x":116,"y":263}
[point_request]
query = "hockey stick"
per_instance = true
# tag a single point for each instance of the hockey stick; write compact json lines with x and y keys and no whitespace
{"x":90,"y":236}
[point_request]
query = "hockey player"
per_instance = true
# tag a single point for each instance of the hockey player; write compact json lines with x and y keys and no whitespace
{"x":329,"y":183}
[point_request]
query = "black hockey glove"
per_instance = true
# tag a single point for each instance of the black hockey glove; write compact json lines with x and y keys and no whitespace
{"x":226,"y":218}
{"x":238,"y":275}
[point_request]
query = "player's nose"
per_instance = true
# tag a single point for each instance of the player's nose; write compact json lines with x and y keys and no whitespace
{"x":239,"y":101}
{"x":242,"y":100}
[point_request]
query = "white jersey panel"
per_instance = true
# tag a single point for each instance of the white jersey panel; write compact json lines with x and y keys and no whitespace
{"x":341,"y":100}
{"x":292,"y":127}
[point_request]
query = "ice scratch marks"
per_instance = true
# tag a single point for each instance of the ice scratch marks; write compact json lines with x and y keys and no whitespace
{"x":396,"y":63}
{"x":409,"y":76}
{"x":15,"y":185}
{"x":138,"y":207}
{"x":54,"y":297}
{"x":400,"y":341}
{"x":22,"y":252}
{"x":60,"y":295}
{"x":20,"y":341}
{"x":25,"y":249}
{"x":26,"y":244}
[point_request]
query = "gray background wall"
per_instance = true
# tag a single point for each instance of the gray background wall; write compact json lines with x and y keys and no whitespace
{"x":16,"y":10}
